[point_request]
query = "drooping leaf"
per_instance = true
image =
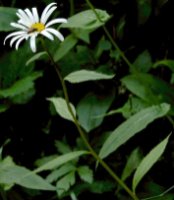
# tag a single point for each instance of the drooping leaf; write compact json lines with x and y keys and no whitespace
{"x":37,"y":56}
{"x":87,"y":20}
{"x":91,"y":110}
{"x":132,"y":163}
{"x":86,"y":75}
{"x":69,"y":42}
{"x":56,"y":162}
{"x":166,"y":63}
{"x":23,"y":177}
{"x":132,"y":126}
{"x":62,"y":108}
{"x":65,"y":183}
{"x":148,"y":161}
{"x":7,"y":15}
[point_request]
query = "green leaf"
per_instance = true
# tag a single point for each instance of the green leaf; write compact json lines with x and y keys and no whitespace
{"x":56,"y":162}
{"x":144,"y":10}
{"x":132,"y":126}
{"x":7,"y":15}
{"x":37,"y":56}
{"x":65,"y":183}
{"x":23,"y":177}
{"x":150,"y":88}
{"x":85,"y":173}
{"x":86,"y":75}
{"x":20,"y":86}
{"x":143,"y":62}
{"x":166,"y":62}
{"x":91,"y":110}
{"x":69,"y":42}
{"x":148,"y":161}
{"x":132,"y":163}
{"x":56,"y":174}
{"x":87,"y":20}
{"x":62,"y":108}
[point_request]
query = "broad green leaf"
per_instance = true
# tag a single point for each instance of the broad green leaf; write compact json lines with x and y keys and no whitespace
{"x":86,"y":75}
{"x":132,"y":163}
{"x":37,"y":56}
{"x":131,"y":127}
{"x":56,"y":174}
{"x":144,"y":10}
{"x":23,"y":177}
{"x":65,"y":183}
{"x":56,"y":162}
{"x":150,"y":88}
{"x":143,"y":62}
{"x":91,"y":110}
{"x":148,"y":161}
{"x":62,"y":108}
{"x":87,"y":20}
{"x":7,"y":15}
{"x":69,"y":42}
{"x":20,"y":86}
{"x":85,"y":173}
{"x":166,"y":62}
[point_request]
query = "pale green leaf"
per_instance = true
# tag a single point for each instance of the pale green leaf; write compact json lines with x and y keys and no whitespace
{"x":23,"y":177}
{"x":86,"y":75}
{"x":69,"y":42}
{"x":62,"y":108}
{"x":37,"y":56}
{"x":87,"y":20}
{"x":56,"y":162}
{"x":132,"y":126}
{"x":85,"y":173}
{"x":166,"y":62}
{"x":148,"y":161}
{"x":7,"y":15}
{"x":65,"y":183}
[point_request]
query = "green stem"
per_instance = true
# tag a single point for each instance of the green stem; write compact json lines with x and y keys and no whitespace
{"x":82,"y":134}
{"x":110,"y":37}
{"x":71,"y":7}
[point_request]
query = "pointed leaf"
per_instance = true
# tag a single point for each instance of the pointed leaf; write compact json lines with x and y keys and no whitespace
{"x":86,"y":75}
{"x":62,"y":108}
{"x":132,"y":126}
{"x":87,"y":20}
{"x":148,"y":161}
{"x":86,"y":174}
{"x":37,"y":56}
{"x":56,"y":162}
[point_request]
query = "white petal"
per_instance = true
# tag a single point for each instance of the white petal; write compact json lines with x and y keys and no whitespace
{"x":47,"y":34}
{"x":16,"y":25}
{"x":14,"y":34}
{"x":30,"y":15}
{"x":55,"y":21}
{"x":46,"y":10}
{"x":19,"y":41}
{"x":15,"y":38}
{"x":23,"y":21}
{"x":56,"y":33}
{"x":35,"y":15}
{"x":33,"y":43}
{"x":45,"y":17}
{"x":24,"y":17}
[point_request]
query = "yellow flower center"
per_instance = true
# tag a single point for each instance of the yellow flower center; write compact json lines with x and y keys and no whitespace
{"x":37,"y":27}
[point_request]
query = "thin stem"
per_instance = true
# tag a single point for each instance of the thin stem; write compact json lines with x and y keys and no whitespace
{"x":71,"y":7}
{"x":82,"y":134}
{"x":110,"y":37}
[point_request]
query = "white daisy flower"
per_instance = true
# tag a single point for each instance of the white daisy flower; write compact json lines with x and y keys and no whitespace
{"x":31,"y":26}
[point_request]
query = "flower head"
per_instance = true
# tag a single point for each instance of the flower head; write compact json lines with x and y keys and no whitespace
{"x":31,"y":26}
